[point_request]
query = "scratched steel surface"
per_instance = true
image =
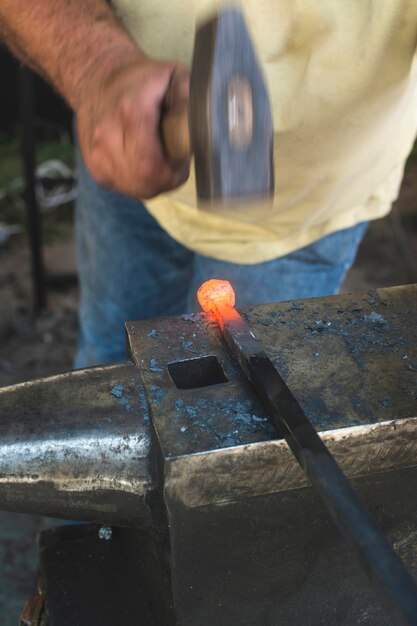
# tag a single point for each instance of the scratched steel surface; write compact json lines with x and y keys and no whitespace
{"x":351,"y":361}
{"x":77,"y":446}
{"x":250,"y":542}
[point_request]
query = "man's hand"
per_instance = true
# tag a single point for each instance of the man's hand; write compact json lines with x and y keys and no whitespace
{"x":116,"y":91}
{"x":118,"y":120}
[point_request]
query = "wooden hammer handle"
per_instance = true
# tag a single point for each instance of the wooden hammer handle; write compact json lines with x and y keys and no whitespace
{"x":176,"y":133}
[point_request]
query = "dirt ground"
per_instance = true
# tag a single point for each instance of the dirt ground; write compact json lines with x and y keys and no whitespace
{"x":35,"y":346}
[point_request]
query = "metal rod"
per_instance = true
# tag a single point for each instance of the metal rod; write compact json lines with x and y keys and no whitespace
{"x":385,"y":569}
{"x":33,"y":217}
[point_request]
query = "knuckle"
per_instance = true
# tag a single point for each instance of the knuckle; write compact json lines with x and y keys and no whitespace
{"x":126,"y":108}
{"x":96,"y":166}
{"x":102,"y":179}
{"x":99,"y":136}
{"x":147,"y":171}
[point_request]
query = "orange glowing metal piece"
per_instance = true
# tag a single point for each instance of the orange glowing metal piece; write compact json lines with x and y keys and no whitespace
{"x":215,"y":295}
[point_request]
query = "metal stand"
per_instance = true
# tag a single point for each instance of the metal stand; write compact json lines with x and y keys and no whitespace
{"x":33,"y":216}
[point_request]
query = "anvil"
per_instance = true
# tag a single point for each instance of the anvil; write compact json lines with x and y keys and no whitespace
{"x":175,"y":445}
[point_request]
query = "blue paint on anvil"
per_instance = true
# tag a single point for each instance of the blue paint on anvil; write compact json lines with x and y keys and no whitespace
{"x":143,"y":403}
{"x":259,"y":419}
{"x":384,"y":402}
{"x":376,"y":318}
{"x":142,"y":398}
{"x":244,"y":417}
{"x":125,"y":402}
{"x":322,"y":324}
{"x":229,"y":442}
{"x":190,"y":317}
{"x":244,"y":406}
{"x":154,"y":367}
{"x":227,"y":421}
{"x":297,"y":306}
{"x":157,"y":393}
{"x":117,"y":391}
{"x":179,"y":405}
{"x":187,"y":345}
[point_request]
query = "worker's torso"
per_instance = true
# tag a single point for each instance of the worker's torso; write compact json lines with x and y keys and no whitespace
{"x":343,"y":84}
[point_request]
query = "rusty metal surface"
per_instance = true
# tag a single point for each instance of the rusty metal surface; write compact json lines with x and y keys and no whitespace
{"x":35,"y":612}
{"x":386,"y":571}
{"x":241,"y":538}
{"x":249,"y":541}
{"x":236,"y":473}
{"x":278,"y":559}
{"x":77,"y":446}
{"x":351,"y":361}
{"x":90,"y":581}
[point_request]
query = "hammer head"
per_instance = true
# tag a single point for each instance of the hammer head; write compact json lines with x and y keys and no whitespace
{"x":230,"y":115}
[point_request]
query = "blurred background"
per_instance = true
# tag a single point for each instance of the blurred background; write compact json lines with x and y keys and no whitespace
{"x":38,"y":286}
{"x":38,"y":295}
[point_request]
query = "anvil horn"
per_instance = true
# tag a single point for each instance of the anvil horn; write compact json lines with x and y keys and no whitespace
{"x":78,"y":446}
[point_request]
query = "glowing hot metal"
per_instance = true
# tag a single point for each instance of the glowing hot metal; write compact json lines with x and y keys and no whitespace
{"x":395,"y":585}
{"x":215,"y":296}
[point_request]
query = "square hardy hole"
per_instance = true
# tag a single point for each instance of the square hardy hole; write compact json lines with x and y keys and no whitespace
{"x":201,"y":372}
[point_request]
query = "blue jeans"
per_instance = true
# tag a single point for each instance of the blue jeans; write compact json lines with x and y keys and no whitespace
{"x":132,"y":269}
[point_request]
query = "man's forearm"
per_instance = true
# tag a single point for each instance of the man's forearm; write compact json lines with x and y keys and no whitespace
{"x":65,"y":39}
{"x":116,"y":91}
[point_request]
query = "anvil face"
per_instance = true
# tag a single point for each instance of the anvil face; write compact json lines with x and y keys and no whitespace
{"x":350,"y":362}
{"x":248,"y":538}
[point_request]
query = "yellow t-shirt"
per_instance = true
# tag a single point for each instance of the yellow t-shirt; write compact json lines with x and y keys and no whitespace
{"x":342,"y":76}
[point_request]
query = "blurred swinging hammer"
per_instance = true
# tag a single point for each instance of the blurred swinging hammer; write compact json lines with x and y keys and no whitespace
{"x":227,"y":124}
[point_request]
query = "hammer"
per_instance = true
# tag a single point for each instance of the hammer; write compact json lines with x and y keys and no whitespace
{"x":228,"y":122}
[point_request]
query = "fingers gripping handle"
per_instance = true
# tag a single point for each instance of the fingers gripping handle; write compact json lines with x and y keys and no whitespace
{"x":175,"y":128}
{"x":176,"y":133}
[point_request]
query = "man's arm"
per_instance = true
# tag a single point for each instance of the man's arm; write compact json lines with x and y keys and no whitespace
{"x":115,"y":90}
